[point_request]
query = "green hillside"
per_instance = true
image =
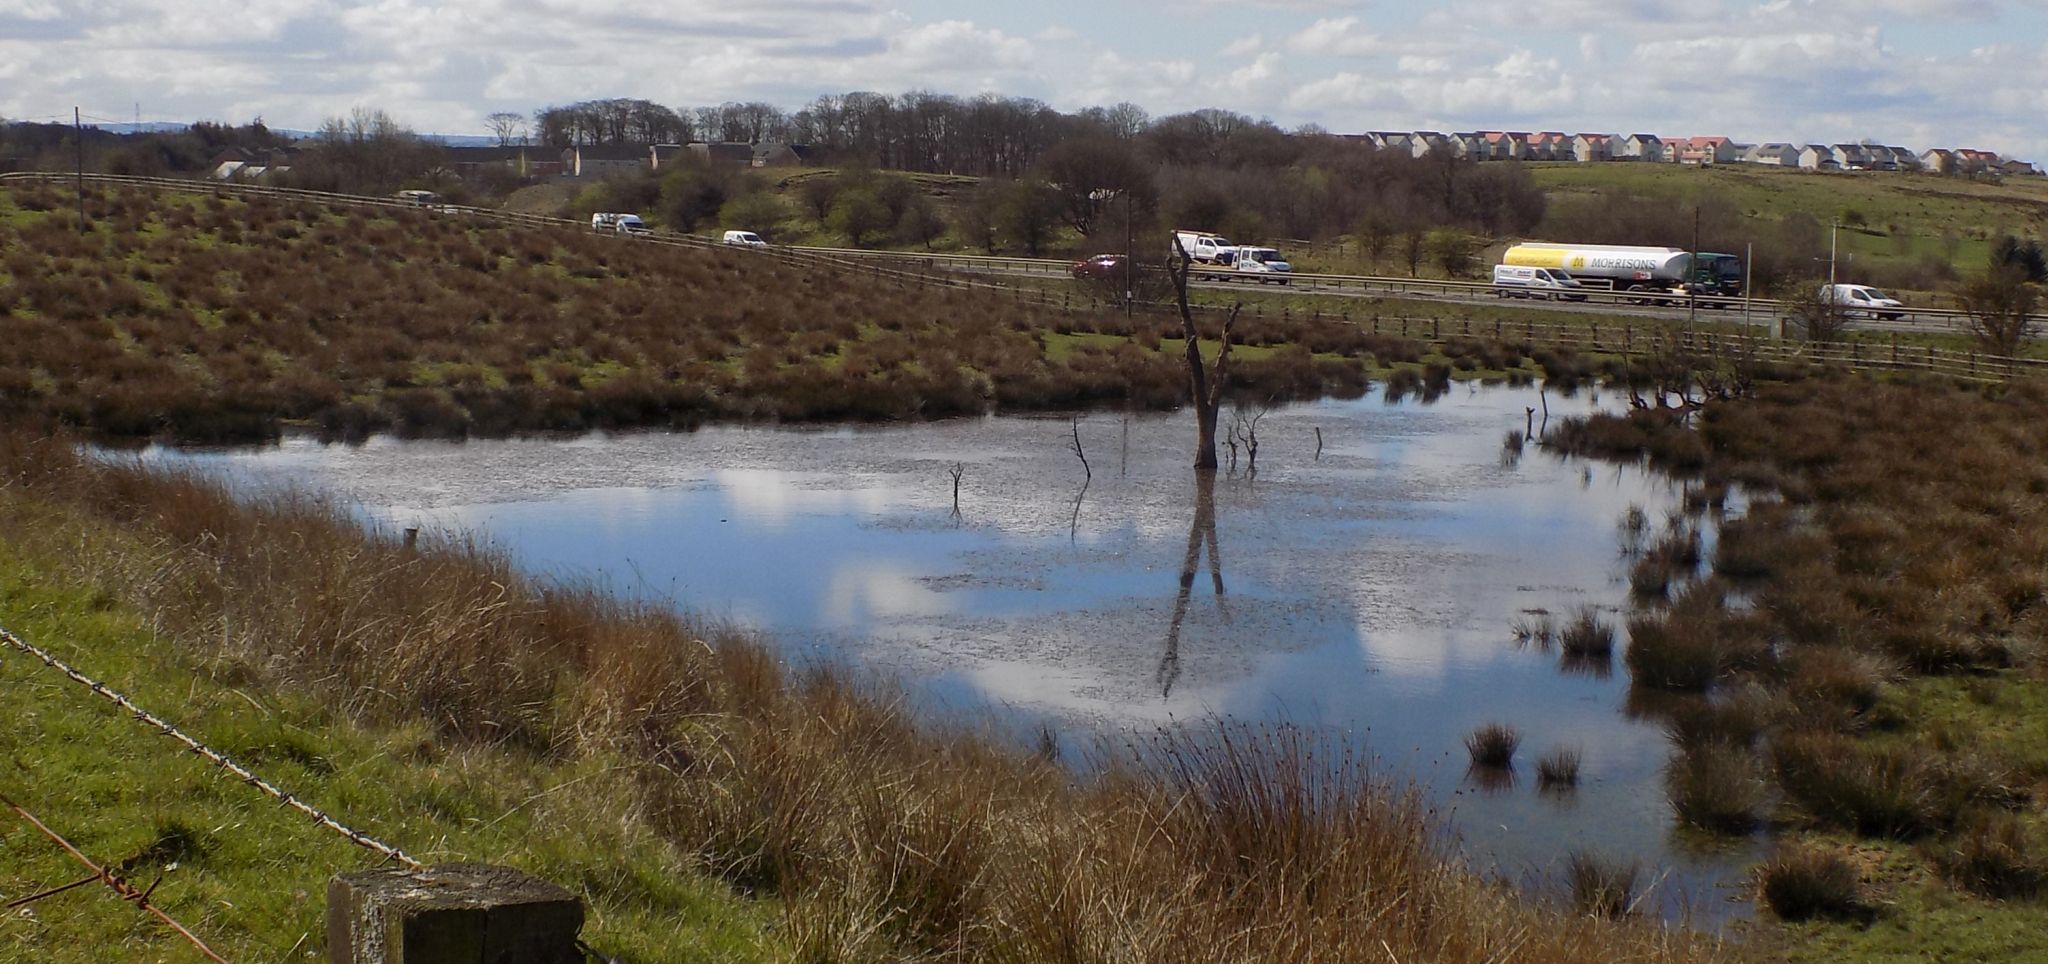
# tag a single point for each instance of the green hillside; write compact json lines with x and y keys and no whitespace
{"x":1885,"y":217}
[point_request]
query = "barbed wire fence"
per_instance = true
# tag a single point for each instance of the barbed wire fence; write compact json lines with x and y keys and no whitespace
{"x":140,"y":897}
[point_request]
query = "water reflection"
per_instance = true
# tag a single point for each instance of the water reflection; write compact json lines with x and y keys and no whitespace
{"x":1376,"y":569}
{"x":1201,"y":532}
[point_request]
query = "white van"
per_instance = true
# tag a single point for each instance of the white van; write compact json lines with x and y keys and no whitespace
{"x":1863,"y":298}
{"x":748,"y":238}
{"x":619,"y":223}
{"x":1515,"y":281}
{"x":1202,"y":247}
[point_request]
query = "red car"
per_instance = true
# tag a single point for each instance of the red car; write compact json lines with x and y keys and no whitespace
{"x":1102,"y":266}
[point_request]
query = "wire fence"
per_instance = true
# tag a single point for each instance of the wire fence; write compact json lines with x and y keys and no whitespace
{"x":105,"y":875}
{"x":211,"y":755}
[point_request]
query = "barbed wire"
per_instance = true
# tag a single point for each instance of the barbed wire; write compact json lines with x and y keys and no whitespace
{"x":128,"y":892}
{"x":218,"y":759}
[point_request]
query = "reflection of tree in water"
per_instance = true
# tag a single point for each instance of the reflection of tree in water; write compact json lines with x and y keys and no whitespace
{"x":1201,"y":532}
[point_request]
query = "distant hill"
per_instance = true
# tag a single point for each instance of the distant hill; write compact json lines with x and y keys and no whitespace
{"x":167,"y":127}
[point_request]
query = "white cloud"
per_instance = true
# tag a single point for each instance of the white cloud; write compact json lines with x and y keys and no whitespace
{"x":1341,"y":37}
{"x":1926,"y":71}
{"x":1246,"y":46}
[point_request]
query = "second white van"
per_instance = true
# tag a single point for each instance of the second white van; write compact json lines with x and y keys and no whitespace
{"x":1515,"y":281}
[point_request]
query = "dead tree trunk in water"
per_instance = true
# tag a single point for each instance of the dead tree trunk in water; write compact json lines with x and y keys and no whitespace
{"x":1205,"y":388}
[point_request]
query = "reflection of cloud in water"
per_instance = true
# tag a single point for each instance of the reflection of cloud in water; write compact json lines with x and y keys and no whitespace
{"x":862,"y":592}
{"x":774,"y":496}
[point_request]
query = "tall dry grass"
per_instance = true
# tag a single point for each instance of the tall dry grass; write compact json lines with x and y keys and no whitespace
{"x":223,"y":321}
{"x":883,"y":838}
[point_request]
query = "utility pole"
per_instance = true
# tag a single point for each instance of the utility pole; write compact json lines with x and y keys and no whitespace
{"x":78,"y":132}
{"x":1834,"y":229}
{"x":1130,"y":257}
{"x":1748,"y":274}
{"x":1692,"y":293}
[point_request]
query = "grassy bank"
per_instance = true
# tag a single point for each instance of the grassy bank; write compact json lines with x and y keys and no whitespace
{"x":1858,"y":666}
{"x":447,"y":704}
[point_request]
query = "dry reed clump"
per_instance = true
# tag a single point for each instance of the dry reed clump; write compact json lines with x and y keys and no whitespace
{"x":1738,"y":720}
{"x":1674,"y":651}
{"x":1717,"y":787}
{"x":1993,"y":855}
{"x":880,"y":837}
{"x":1602,"y":887}
{"x":1586,"y":635}
{"x":1886,"y":791}
{"x":1558,"y":769}
{"x":1835,"y":688}
{"x":1534,"y":630}
{"x":1799,"y":883}
{"x":1493,"y":745}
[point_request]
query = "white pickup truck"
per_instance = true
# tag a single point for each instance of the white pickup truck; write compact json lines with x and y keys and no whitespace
{"x":1201,"y":247}
{"x":619,"y":223}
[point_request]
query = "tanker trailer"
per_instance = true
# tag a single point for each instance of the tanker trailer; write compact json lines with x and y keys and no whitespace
{"x":1623,"y":268}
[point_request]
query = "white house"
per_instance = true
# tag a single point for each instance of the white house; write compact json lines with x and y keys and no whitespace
{"x":1703,"y":150}
{"x":1502,"y":146}
{"x":1774,"y":152}
{"x":1854,"y":157}
{"x":1818,"y":157}
{"x":1641,"y":147}
{"x":1389,"y":140}
{"x":1589,"y":148}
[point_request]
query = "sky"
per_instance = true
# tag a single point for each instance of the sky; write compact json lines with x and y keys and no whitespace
{"x":1917,"y":73}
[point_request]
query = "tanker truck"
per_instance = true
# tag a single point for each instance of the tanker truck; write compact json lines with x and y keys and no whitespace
{"x":1665,"y":271}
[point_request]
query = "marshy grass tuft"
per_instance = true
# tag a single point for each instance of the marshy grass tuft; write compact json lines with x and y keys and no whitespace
{"x":1892,"y":791}
{"x":1800,"y":883}
{"x":1586,"y":635}
{"x":1558,"y":769}
{"x":1717,"y":788}
{"x":1631,"y":531}
{"x":1670,"y":652}
{"x":1534,"y":630}
{"x":1401,"y":382}
{"x":1695,"y":722}
{"x":1993,"y":855}
{"x":1511,"y":449}
{"x":1833,"y":687}
{"x":1493,"y":746}
{"x":1600,"y":886}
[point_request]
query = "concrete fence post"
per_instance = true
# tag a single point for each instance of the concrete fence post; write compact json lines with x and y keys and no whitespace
{"x":451,"y":914}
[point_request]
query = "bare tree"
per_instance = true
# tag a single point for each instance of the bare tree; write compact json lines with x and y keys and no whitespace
{"x":1244,"y":427}
{"x":509,"y":128}
{"x":1205,"y":387}
{"x":1413,"y":247}
{"x":1819,"y":317}
{"x":2000,"y":305}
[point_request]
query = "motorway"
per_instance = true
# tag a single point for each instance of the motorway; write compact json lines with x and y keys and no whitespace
{"x":1762,"y":312}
